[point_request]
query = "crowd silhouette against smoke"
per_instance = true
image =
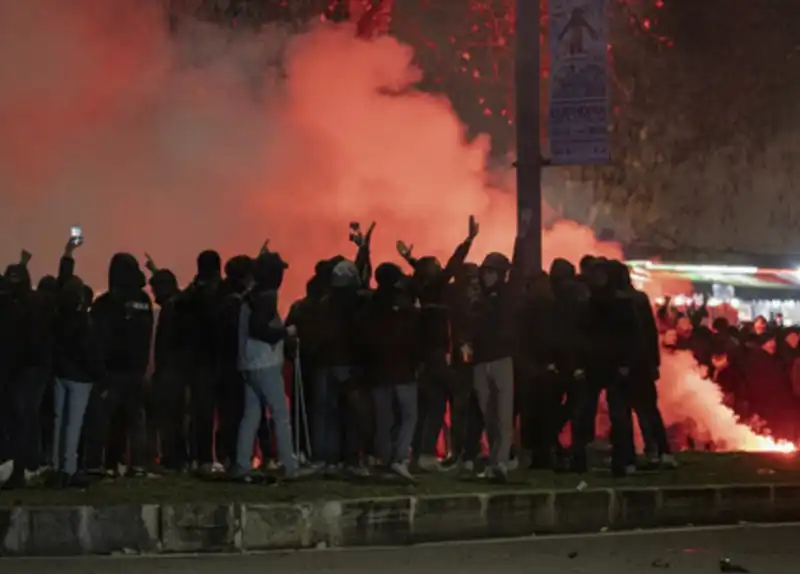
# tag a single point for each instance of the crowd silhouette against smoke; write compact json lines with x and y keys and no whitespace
{"x":172,"y":142}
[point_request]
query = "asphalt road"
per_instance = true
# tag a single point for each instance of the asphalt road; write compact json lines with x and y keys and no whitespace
{"x":760,"y":549}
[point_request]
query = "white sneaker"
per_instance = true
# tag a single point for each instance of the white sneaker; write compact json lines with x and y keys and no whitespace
{"x":668,"y":461}
{"x":6,"y":470}
{"x":401,"y":469}
{"x":429,"y":463}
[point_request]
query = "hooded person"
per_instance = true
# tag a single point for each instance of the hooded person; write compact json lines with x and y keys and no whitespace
{"x":389,"y":332}
{"x":337,"y":409}
{"x":614,"y":353}
{"x":123,"y":318}
{"x":261,"y":340}
{"x":197,"y":314}
{"x":168,"y":391}
{"x":540,"y":385}
{"x":430,"y":282}
{"x":641,"y":384}
{"x":78,"y":365}
{"x":490,"y":349}
{"x":30,"y":369}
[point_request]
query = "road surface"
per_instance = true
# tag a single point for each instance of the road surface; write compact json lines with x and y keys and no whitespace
{"x":760,"y":549}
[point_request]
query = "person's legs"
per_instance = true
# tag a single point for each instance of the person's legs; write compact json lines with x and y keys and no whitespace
{"x":132,"y":406}
{"x":252,"y":414}
{"x":407,"y":405}
{"x":503,"y":379}
{"x":170,"y":410}
{"x":483,"y":394}
{"x":383,"y":403}
{"x":77,"y":398}
{"x":319,"y":419}
{"x":229,"y":413}
{"x":203,"y":383}
{"x":103,"y":404}
{"x":60,"y":411}
{"x":584,"y":398}
{"x":269,"y":385}
{"x":623,"y":453}
{"x":436,"y":380}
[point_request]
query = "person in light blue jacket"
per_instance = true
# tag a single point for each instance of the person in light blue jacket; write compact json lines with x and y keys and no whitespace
{"x":260,"y":360}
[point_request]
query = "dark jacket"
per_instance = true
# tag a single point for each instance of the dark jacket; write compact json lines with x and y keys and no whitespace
{"x":495,"y":329}
{"x":646,"y":324}
{"x":571,"y":301}
{"x":31,"y":320}
{"x":123,"y":317}
{"x":614,"y":340}
{"x":389,"y":330}
{"x":78,"y":349}
{"x":166,"y":345}
{"x":77,"y":346}
{"x":263,"y":312}
{"x":337,"y":317}
{"x":431,"y":287}
{"x":196,"y":316}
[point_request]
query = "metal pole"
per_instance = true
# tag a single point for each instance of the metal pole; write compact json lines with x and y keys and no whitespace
{"x":528,"y":256}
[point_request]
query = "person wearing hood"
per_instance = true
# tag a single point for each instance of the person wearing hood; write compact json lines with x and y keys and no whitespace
{"x":641,"y":384}
{"x":169,"y":386}
{"x":614,"y":353}
{"x":261,"y":340}
{"x":337,"y":408}
{"x":391,"y":354}
{"x":77,"y":365}
{"x":197,"y":312}
{"x":123,"y":317}
{"x":490,"y":348}
{"x":430,"y":283}
{"x":571,"y":295}
{"x":30,"y":369}
{"x":539,"y":388}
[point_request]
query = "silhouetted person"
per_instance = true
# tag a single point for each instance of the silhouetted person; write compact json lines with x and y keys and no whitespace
{"x":390,"y":339}
{"x":30,"y":368}
{"x":197,"y":315}
{"x":169,"y":384}
{"x":77,"y":365}
{"x":123,"y":316}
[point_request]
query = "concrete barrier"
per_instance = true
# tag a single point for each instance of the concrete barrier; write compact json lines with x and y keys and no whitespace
{"x":68,"y":531}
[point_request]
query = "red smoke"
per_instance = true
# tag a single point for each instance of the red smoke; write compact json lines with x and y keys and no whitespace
{"x":172,"y":144}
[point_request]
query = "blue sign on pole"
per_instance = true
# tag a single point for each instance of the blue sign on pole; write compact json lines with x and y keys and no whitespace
{"x":578,"y":119}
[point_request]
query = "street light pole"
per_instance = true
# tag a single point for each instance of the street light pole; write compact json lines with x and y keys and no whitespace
{"x":528,"y":256}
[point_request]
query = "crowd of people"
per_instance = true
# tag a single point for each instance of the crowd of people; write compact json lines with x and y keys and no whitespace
{"x":754,"y":363}
{"x":195,"y":380}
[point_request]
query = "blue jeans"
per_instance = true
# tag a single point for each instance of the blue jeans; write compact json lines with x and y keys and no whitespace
{"x":331,"y":419}
{"x":69,"y":404}
{"x":263,"y":388}
{"x":391,"y":450}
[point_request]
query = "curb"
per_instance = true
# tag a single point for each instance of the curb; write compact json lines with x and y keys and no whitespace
{"x":184,"y":528}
